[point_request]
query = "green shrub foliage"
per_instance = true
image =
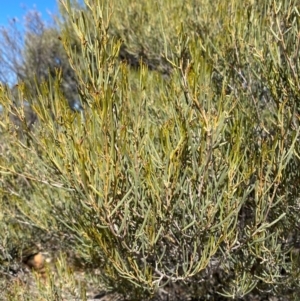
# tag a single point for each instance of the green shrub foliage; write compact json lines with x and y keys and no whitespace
{"x":188,"y":175}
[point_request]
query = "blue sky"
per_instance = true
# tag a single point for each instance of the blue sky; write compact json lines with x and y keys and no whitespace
{"x":17,"y":9}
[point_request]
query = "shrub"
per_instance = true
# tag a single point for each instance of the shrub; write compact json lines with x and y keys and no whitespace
{"x":189,"y":178}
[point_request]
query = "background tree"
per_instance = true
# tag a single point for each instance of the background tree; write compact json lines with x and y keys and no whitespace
{"x":32,"y":55}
